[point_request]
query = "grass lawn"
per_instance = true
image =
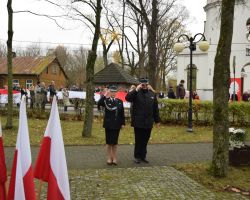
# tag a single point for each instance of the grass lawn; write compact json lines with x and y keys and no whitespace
{"x":72,"y":133}
{"x":237,"y":177}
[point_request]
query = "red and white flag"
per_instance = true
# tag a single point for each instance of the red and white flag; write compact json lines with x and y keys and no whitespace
{"x":3,"y":170}
{"x":22,"y":179}
{"x":51,"y":165}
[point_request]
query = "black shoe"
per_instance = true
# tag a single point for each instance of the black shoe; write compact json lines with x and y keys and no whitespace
{"x":144,"y":160}
{"x":137,"y":160}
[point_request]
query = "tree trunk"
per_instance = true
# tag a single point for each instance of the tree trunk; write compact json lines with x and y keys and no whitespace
{"x":152,"y":60}
{"x":88,"y":115}
{"x":105,"y":56}
{"x":152,"y":30}
{"x":221,"y":91}
{"x":9,"y":123}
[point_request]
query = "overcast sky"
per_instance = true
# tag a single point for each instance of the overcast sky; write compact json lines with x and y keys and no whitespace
{"x":39,"y":29}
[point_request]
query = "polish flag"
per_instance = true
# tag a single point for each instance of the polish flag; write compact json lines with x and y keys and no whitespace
{"x":22,"y":180}
{"x":3,"y":170}
{"x":51,"y":163}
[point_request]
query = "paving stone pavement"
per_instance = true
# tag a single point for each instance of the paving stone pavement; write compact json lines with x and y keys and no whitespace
{"x":145,"y":183}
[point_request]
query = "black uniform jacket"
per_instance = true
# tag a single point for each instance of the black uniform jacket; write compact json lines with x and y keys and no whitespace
{"x":114,"y":112}
{"x":144,"y":110}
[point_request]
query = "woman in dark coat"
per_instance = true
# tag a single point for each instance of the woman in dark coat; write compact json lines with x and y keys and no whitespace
{"x":114,"y":120}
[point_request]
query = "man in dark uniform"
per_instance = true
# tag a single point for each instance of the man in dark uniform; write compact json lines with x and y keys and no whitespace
{"x":144,"y":113}
{"x":114,"y":120}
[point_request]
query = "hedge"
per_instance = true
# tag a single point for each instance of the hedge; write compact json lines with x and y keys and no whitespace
{"x":176,"y":112}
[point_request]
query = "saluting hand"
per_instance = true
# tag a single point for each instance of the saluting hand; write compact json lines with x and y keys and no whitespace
{"x":138,"y":87}
{"x":150,"y":88}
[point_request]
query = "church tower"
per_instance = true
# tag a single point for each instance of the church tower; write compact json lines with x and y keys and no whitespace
{"x":204,"y":62}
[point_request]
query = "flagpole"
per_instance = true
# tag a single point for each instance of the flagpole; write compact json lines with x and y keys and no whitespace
{"x":6,"y":189}
{"x":39,"y":190}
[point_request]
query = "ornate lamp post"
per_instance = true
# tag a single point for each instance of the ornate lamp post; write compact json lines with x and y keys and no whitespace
{"x":178,"y":47}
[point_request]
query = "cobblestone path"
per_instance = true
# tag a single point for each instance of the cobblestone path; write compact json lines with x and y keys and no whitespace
{"x":144,"y":183}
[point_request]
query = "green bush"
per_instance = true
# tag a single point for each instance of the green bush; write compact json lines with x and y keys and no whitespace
{"x":176,"y":111}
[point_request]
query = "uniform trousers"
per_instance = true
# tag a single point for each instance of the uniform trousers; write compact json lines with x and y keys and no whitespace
{"x":142,"y":136}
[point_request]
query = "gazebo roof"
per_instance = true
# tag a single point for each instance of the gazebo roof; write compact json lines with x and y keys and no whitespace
{"x":113,"y":73}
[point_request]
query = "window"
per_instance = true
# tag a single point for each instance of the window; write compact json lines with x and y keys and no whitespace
{"x":47,"y":70}
{"x":194,"y":77}
{"x":29,"y":83}
{"x":248,"y":29}
{"x":15,"y":82}
{"x":248,"y":50}
{"x":54,"y":69}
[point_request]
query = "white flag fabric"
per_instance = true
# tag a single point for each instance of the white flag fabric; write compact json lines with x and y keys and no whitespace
{"x":22,"y":179}
{"x":51,"y":165}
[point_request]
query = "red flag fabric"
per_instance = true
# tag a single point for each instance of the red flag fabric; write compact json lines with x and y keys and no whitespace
{"x":121,"y":95}
{"x":51,"y":163}
{"x":22,"y":180}
{"x":3,"y":170}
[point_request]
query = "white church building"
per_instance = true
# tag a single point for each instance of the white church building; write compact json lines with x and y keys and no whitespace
{"x":203,"y":62}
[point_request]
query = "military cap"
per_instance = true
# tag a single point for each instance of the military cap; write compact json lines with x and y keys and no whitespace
{"x":113,"y":88}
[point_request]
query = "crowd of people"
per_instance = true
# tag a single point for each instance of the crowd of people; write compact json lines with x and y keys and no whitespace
{"x":180,"y":93}
{"x":39,"y":95}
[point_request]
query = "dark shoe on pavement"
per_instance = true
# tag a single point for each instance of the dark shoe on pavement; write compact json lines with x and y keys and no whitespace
{"x":137,"y":160}
{"x":144,"y":160}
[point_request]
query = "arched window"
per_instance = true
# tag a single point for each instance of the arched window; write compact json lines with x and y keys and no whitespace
{"x":248,"y":29}
{"x":194,"y":77}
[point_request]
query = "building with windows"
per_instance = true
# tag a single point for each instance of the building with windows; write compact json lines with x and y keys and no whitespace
{"x":203,"y":62}
{"x":28,"y":70}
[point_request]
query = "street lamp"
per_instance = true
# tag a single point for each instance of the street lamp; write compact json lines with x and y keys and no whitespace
{"x":178,"y":47}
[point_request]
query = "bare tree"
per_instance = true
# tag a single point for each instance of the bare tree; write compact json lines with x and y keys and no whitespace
{"x":88,"y":115}
{"x":9,"y":123}
{"x":61,"y":54}
{"x":75,"y":67}
{"x":171,"y":27}
{"x":3,"y":51}
{"x":150,"y":12}
{"x":32,"y":50}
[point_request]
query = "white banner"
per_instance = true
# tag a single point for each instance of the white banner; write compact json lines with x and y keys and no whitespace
{"x":72,"y":95}
{"x":16,"y":98}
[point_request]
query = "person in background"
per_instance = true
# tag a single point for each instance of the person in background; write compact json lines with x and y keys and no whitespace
{"x":145,"y":112}
{"x":52,"y":91}
{"x":66,"y":103}
{"x":114,"y":120}
{"x":171,"y":94}
{"x":38,"y":95}
{"x":195,"y":96}
{"x":44,"y":93}
{"x":161,"y":95}
{"x":32,"y":96}
{"x":234,"y":97}
{"x":23,"y":92}
{"x":245,"y":96}
{"x":180,"y":90}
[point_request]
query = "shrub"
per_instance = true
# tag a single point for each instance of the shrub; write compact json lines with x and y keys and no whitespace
{"x":175,"y":111}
